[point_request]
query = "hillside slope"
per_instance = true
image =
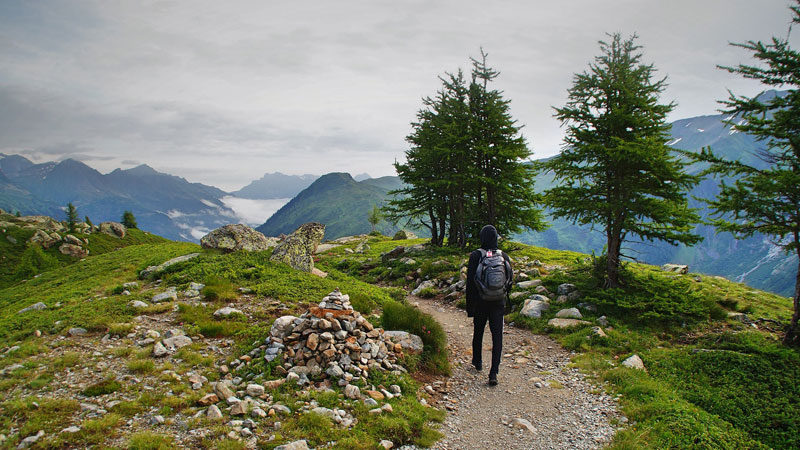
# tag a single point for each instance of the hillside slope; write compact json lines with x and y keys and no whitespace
{"x":336,"y":200}
{"x":163,"y":204}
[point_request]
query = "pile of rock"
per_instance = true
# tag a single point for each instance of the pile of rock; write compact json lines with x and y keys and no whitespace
{"x":333,"y":340}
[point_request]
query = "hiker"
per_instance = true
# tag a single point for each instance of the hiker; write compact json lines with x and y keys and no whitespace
{"x":489,"y":278}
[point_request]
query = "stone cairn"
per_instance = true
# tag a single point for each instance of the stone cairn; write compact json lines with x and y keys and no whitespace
{"x":331,"y":340}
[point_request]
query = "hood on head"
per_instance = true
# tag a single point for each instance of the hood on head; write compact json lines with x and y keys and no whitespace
{"x":488,"y":237}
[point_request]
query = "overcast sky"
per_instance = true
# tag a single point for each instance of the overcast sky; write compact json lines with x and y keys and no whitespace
{"x":221,"y":92}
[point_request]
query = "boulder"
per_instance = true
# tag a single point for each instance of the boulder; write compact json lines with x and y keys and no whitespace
{"x":424,"y":285}
{"x":73,"y":251}
{"x":411,"y":343}
{"x":566,"y":323}
{"x":403,"y":235}
{"x":569,"y":313}
{"x":566,"y":289}
{"x":152,"y":271}
{"x":44,"y":239}
{"x":41,"y":222}
{"x":634,"y":362}
{"x":297,"y":250}
{"x":70,"y":239}
{"x":226,"y":311}
{"x":676,"y":268}
{"x":534,"y":308}
{"x":392,"y":254}
{"x":231,"y":238}
{"x":296,"y":445}
{"x":529,"y":284}
{"x":170,"y":294}
{"x":115,"y":229}
{"x":34,"y":307}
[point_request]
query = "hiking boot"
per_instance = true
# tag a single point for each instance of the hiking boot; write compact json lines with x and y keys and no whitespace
{"x":492,"y":380}
{"x":478,"y":366}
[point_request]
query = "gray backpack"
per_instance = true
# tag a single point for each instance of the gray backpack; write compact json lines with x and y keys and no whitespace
{"x":493,"y":276}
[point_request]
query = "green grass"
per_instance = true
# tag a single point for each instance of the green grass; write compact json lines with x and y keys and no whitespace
{"x":75,"y":287}
{"x":22,"y":262}
{"x":147,"y":440}
{"x":400,"y":316}
{"x":104,"y":387}
{"x":738,"y":395}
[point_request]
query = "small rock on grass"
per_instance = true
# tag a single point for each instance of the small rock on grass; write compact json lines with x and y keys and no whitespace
{"x":214,"y":413}
{"x":634,"y":362}
{"x":386,"y":444}
{"x":296,"y":445}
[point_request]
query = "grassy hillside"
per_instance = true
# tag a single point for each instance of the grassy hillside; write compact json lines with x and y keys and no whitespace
{"x":336,"y":200}
{"x":717,"y":376}
{"x":46,"y":379}
{"x":15,"y":251}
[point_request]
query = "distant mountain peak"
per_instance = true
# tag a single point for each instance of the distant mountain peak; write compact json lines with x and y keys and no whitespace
{"x":362,"y":177}
{"x":142,"y":169}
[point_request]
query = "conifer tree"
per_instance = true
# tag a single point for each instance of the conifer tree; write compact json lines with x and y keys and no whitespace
{"x":72,"y":217}
{"x":129,"y":220}
{"x":616,"y":171}
{"x":374,"y":216}
{"x":766,"y":200}
{"x":467,"y":164}
{"x":503,"y":179}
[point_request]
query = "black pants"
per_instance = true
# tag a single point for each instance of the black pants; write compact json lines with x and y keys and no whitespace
{"x":494,"y":314}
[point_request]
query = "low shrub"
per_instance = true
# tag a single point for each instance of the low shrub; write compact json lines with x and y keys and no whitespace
{"x":219,"y":289}
{"x":146,"y":440}
{"x":400,"y":316}
{"x":106,"y":386}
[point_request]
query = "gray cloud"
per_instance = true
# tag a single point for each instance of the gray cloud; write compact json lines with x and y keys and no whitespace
{"x":221,"y":92}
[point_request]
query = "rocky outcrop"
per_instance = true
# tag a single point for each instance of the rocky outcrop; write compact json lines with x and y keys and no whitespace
{"x":41,"y":222}
{"x":115,"y":229}
{"x":153,"y":271}
{"x":297,"y":250}
{"x":73,"y":251}
{"x":676,"y":268}
{"x":45,"y":239}
{"x":231,"y":238}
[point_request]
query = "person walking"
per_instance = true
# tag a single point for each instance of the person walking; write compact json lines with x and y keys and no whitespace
{"x":489,"y":278}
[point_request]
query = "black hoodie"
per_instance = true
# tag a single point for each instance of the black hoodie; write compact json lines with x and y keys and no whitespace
{"x":488,"y":237}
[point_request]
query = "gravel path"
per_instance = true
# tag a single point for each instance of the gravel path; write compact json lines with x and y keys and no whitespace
{"x":562,"y":409}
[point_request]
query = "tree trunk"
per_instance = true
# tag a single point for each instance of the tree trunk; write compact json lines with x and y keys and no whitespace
{"x":792,"y":337}
{"x":433,"y":227}
{"x":612,"y":259}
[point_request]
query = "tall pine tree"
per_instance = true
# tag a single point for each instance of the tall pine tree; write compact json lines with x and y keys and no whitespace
{"x":766,"y":200}
{"x":616,"y":171}
{"x":467,"y":165}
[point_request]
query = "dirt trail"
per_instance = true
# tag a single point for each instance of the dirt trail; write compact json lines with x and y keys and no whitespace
{"x":563,"y":409}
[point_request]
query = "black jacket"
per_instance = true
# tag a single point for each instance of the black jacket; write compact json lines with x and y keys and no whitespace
{"x":488,"y":242}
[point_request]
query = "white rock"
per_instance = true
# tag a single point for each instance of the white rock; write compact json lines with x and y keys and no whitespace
{"x":296,"y":445}
{"x":226,"y":311}
{"x":634,"y":362}
{"x":214,"y":413}
{"x":159,"y":350}
{"x":569,"y":313}
{"x":255,"y":390}
{"x":534,"y":308}
{"x":523,"y":424}
{"x":138,"y":304}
